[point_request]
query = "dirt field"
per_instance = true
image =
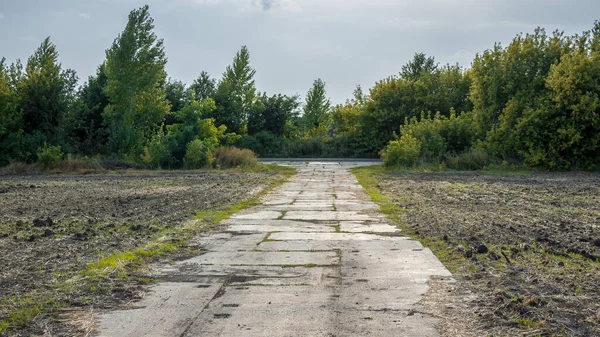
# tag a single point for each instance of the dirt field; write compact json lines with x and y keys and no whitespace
{"x":524,"y":249}
{"x":51,"y":227}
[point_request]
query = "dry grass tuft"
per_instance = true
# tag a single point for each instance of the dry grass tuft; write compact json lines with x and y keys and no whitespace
{"x":234,"y":157}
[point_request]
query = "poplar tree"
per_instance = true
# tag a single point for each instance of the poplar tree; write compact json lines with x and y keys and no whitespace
{"x":317,"y":105}
{"x":135,"y":69}
{"x":236,"y":93}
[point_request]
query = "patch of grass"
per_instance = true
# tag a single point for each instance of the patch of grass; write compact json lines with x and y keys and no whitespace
{"x":23,"y":309}
{"x":266,"y":239}
{"x":527,"y":323}
{"x":121,"y":263}
{"x":4,"y":325}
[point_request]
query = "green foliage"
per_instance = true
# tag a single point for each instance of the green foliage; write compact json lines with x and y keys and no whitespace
{"x":85,"y":126}
{"x":419,"y":66}
{"x":204,"y":87}
{"x":175,"y":93}
{"x":47,"y":92}
{"x":423,"y":87}
{"x":126,"y":140}
{"x":435,"y":140}
{"x":157,"y":154}
{"x":135,"y":88}
{"x":235,"y":93}
{"x":535,"y":100}
{"x":271,"y":114}
{"x":317,"y":106}
{"x":189,"y":125}
{"x":402,"y":152}
{"x":198,"y":155}
{"x":49,"y":156}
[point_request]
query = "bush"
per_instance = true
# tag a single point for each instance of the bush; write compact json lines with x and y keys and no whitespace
{"x":157,"y":153}
{"x":198,"y":155}
{"x":71,"y":164}
{"x":234,"y":157}
{"x":474,"y":159}
{"x":49,"y":156}
{"x":405,"y":151}
{"x":427,"y":131}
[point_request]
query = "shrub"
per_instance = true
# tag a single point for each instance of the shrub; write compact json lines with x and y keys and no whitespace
{"x":49,"y":156}
{"x":474,"y":159}
{"x":458,"y":132}
{"x":198,"y":155}
{"x":402,"y":152}
{"x":427,"y":131}
{"x":234,"y":157}
{"x":157,"y":153}
{"x":71,"y":164}
{"x":17,"y":167}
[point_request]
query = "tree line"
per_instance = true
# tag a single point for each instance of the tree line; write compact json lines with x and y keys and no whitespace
{"x":534,"y":102}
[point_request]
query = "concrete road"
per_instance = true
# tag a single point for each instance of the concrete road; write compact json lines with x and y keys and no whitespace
{"x":315,"y":259}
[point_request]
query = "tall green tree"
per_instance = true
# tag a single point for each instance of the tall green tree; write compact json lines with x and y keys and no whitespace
{"x":11,"y":118}
{"x":272,"y":113}
{"x":317,"y":105}
{"x":48,"y":93}
{"x":236,"y":93}
{"x":135,"y":68}
{"x":176,"y":94}
{"x":204,"y":86}
{"x":418,"y":66}
{"x":86,"y":125}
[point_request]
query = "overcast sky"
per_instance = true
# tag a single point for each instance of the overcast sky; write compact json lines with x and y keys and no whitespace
{"x":291,"y":42}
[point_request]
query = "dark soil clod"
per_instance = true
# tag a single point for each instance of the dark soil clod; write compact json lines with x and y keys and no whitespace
{"x":43,"y":223}
{"x":482,"y":249}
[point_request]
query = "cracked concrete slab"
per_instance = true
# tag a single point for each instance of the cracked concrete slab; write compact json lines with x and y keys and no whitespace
{"x":315,"y":259}
{"x":325,"y":215}
{"x":265,"y":258}
{"x":288,"y":236}
{"x":167,"y":311}
{"x":245,"y":275}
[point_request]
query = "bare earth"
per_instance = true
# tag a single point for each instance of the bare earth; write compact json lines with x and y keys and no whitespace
{"x":51,"y":226}
{"x":539,"y":274}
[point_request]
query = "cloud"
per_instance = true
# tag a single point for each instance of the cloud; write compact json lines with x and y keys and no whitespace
{"x":84,"y":16}
{"x":1,"y":16}
{"x":256,"y":5}
{"x":266,"y":4}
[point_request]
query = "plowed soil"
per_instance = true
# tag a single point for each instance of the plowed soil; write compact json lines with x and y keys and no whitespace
{"x":51,"y":226}
{"x":528,"y":248}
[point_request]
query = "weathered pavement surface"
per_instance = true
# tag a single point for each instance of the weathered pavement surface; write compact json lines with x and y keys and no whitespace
{"x":316,"y":259}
